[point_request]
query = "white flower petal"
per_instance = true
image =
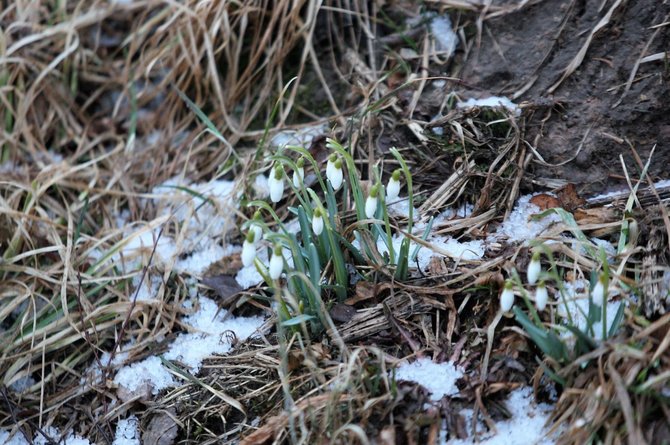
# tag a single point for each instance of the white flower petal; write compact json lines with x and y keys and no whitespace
{"x":317,"y":225}
{"x":507,"y":299}
{"x":276,"y":189}
{"x":336,"y":178}
{"x":371,"y":206}
{"x":248,"y":253}
{"x":534,"y":269}
{"x":541,"y":297}
{"x":392,"y":190}
{"x":276,"y":266}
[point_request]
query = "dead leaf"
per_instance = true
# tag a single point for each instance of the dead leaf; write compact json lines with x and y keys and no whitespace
{"x":544,"y":201}
{"x":342,"y":313}
{"x":570,"y":199}
{"x":162,"y":430}
{"x":364,"y":291}
{"x":267,"y":432}
{"x":596,"y":215}
{"x":225,"y":286}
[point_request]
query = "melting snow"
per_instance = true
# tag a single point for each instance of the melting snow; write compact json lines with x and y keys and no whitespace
{"x":445,"y":38}
{"x":302,"y":137}
{"x":127,"y":432}
{"x":525,"y":427}
{"x":577,"y":298}
{"x":491,"y":102}
{"x":214,"y":333}
{"x":438,"y":378}
{"x":519,"y":226}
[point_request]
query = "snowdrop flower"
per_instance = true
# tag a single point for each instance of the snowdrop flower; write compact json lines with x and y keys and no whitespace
{"x":534,"y":268}
{"x":598,"y":296}
{"x":249,"y":249}
{"x":317,"y":222}
{"x":541,"y":296}
{"x":334,"y":171}
{"x":256,"y":227}
{"x":372,"y":201}
{"x":507,"y":297}
{"x":276,"y":183}
{"x":393,"y":187}
{"x":299,"y":173}
{"x":276,"y":262}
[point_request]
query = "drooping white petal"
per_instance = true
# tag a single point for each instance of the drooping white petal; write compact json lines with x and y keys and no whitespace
{"x":317,"y":225}
{"x":507,"y":298}
{"x":371,"y":206}
{"x":336,"y":178}
{"x":534,"y":269}
{"x":276,"y":188}
{"x":248,"y":253}
{"x":258,"y":232}
{"x":598,"y":294}
{"x":276,"y":266}
{"x":392,"y":190}
{"x":330,"y":167}
{"x":541,"y":296}
{"x":298,"y":177}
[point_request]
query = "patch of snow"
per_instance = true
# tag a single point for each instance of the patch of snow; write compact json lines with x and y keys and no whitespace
{"x":199,"y":261}
{"x":214,"y":333}
{"x":491,"y":102}
{"x":446,"y":39}
{"x":54,"y":433}
{"x":22,"y":384}
{"x":16,"y":439}
{"x":467,"y":250}
{"x":438,"y":378}
{"x":464,"y":211}
{"x":400,"y":209}
{"x":148,"y":288}
{"x":608,"y":247}
{"x":519,"y":226}
{"x":127,"y":432}
{"x":526,"y":425}
{"x":301,"y":137}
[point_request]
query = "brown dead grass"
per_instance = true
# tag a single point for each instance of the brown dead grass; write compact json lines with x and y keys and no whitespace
{"x":92,"y":123}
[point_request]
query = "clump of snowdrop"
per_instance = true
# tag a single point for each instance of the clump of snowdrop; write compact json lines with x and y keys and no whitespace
{"x":507,"y":296}
{"x":393,"y":187}
{"x":317,"y":222}
{"x":534,"y":268}
{"x":276,"y":262}
{"x":372,"y":201}
{"x":334,"y":171}
{"x":249,"y":249}
{"x":299,"y":173}
{"x":276,"y":183}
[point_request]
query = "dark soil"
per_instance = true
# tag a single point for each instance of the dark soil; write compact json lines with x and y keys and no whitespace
{"x":590,"y":105}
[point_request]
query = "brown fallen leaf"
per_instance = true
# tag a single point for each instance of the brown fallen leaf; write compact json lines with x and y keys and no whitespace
{"x":544,"y":201}
{"x":365,"y":291}
{"x":225,"y":286}
{"x":162,"y":430}
{"x":342,"y":313}
{"x":267,"y":432}
{"x":570,"y":199}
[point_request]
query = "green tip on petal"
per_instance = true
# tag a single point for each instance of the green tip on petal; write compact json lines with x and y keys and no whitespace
{"x":332,"y":157}
{"x":374,"y":191}
{"x":509,"y":285}
{"x":257,"y":215}
{"x":301,"y":162}
{"x":277,"y":250}
{"x":338,"y":164}
{"x":536,"y":256}
{"x":396,"y":175}
{"x":317,"y":212}
{"x":251,"y":236}
{"x":279,"y":172}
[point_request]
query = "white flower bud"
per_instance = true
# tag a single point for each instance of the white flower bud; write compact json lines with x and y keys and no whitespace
{"x":393,"y":187}
{"x":249,"y":249}
{"x":299,"y":173}
{"x":599,"y":295}
{"x":317,"y":222}
{"x":507,"y":297}
{"x":541,"y":296}
{"x":276,"y":263}
{"x":334,"y":171}
{"x":534,"y":268}
{"x":276,"y":184}
{"x":371,"y":202}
